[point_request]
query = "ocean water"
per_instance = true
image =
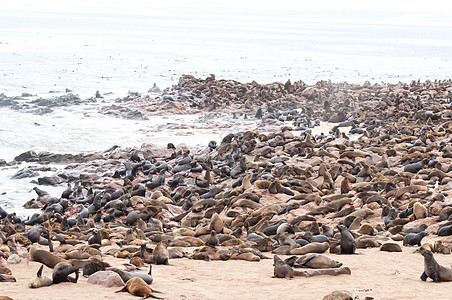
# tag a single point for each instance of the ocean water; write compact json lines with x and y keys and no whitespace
{"x":47,"y":51}
{"x":116,"y":51}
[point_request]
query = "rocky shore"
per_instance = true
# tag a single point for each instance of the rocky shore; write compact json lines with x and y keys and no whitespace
{"x":380,"y":180}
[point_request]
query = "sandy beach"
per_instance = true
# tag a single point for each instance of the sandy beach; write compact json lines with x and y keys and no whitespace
{"x":382,"y":275}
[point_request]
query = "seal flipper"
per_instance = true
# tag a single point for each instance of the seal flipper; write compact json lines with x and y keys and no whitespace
{"x":39,"y":274}
{"x":424,"y":276}
{"x":124,"y":289}
{"x":49,"y":239}
{"x":306,"y":259}
{"x":151,"y":296}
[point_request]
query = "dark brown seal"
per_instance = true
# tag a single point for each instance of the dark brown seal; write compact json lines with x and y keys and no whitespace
{"x":414,"y":238}
{"x":433,"y":270}
{"x":348,"y":244}
{"x":62,"y":271}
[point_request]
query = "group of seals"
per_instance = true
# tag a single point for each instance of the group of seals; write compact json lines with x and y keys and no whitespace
{"x":284,"y":192}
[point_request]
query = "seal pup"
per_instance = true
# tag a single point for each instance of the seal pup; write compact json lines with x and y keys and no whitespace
{"x":281,"y":269}
{"x":433,"y":270}
{"x":61,"y":272}
{"x":137,"y":287}
{"x":347,"y":243}
{"x":161,"y":253}
{"x":40,"y":281}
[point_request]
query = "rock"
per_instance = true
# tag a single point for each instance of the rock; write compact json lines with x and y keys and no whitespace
{"x":26,"y":156}
{"x":106,"y":278}
{"x":14,"y":259}
{"x":341,"y":295}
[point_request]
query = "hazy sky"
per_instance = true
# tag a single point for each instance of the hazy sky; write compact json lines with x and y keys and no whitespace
{"x":240,"y":6}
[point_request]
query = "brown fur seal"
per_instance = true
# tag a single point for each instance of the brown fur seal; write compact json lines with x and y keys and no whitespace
{"x":40,"y":281}
{"x":281,"y":269}
{"x":433,"y":270}
{"x":284,"y":240}
{"x":61,"y":272}
{"x":316,"y":261}
{"x":313,"y":247}
{"x":419,"y":211}
{"x":44,"y":257}
{"x":94,"y":266}
{"x":216,"y":223}
{"x":161,"y":253}
{"x":212,"y":240}
{"x":137,"y":287}
{"x":390,"y":247}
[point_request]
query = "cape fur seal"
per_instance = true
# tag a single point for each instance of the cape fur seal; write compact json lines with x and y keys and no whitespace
{"x":40,"y":281}
{"x":137,"y":287}
{"x":414,"y":238}
{"x":281,"y":269}
{"x":433,"y":270}
{"x":161,"y":253}
{"x":45,"y":257}
{"x":316,"y":261}
{"x":62,"y":271}
{"x":347,"y":243}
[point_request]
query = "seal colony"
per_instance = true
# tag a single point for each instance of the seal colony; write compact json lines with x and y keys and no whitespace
{"x":256,"y":194}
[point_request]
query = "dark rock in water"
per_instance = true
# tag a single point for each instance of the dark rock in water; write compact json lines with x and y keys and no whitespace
{"x":7,"y":102}
{"x":2,"y":162}
{"x":25,"y":156}
{"x":3,"y":213}
{"x":41,"y":111}
{"x":25,"y":173}
{"x":54,"y":180}
{"x":26,"y":95}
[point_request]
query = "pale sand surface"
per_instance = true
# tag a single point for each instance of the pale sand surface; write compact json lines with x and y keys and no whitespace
{"x":381,"y":275}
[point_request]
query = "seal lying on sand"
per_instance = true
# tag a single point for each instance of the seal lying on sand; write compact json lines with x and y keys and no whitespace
{"x":137,"y":287}
{"x":40,"y":281}
{"x":45,"y":257}
{"x":433,"y":270}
